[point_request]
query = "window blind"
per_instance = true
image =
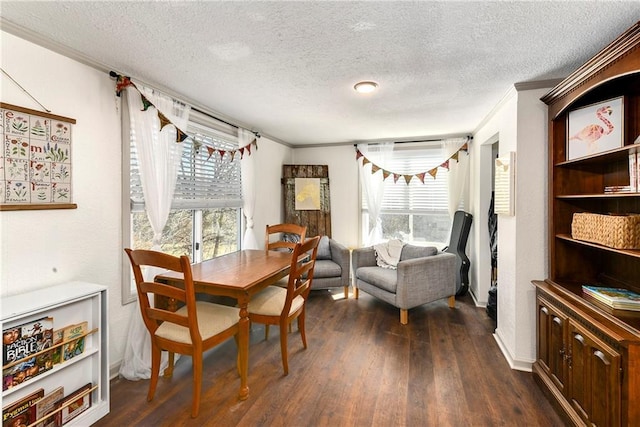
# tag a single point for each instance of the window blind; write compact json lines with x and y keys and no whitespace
{"x":415,"y":198}
{"x":203,"y":181}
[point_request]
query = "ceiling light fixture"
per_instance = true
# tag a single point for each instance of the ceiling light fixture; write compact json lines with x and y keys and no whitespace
{"x":365,"y":87}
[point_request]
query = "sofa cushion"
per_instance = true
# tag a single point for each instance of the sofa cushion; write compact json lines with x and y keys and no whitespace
{"x":383,"y":278}
{"x":326,"y":268}
{"x":412,"y":251}
{"x":324,"y":248}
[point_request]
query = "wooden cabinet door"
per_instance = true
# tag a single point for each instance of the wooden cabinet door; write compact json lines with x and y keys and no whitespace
{"x":551,"y":338}
{"x":594,"y":378}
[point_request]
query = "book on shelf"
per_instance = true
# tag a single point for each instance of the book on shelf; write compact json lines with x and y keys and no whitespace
{"x":58,"y":337}
{"x":617,"y":298}
{"x":633,"y":171}
{"x":619,"y":189}
{"x":19,"y":412}
{"x":21,"y":341}
{"x":74,"y":337}
{"x":46,"y":406}
{"x":73,"y":405}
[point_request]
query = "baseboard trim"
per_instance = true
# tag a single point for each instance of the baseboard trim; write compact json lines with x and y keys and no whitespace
{"x":518,"y":365}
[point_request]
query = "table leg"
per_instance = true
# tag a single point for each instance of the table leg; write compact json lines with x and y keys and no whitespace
{"x":243,"y":348}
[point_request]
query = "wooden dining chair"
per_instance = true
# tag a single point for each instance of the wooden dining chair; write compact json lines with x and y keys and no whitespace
{"x":193,"y":329}
{"x":275,"y":305}
{"x":286,"y":236}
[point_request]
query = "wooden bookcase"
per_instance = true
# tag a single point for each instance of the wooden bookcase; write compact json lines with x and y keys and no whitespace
{"x":588,"y":356}
{"x":68,"y":304}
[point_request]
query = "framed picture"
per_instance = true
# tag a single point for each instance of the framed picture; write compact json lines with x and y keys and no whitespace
{"x":307,"y":192}
{"x":595,"y":128}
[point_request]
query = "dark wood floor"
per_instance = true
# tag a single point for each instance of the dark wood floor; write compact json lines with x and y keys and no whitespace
{"x":362,"y":368}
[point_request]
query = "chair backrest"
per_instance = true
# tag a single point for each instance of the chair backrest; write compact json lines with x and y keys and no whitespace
{"x":303,"y":261}
{"x":154,"y":316}
{"x":286,"y":235}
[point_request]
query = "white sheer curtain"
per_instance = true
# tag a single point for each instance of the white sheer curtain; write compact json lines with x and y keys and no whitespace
{"x":159,"y":159}
{"x":373,"y":185}
{"x":248,"y":189}
{"x":457,"y":182}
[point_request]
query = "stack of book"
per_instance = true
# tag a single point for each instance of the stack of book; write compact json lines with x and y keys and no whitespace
{"x":616,"y":298}
{"x":619,"y":189}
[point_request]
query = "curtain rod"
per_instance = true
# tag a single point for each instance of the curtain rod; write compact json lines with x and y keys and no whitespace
{"x":469,"y":138}
{"x":115,"y":75}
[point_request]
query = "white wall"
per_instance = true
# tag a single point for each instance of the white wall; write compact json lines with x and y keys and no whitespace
{"x":519,"y":124}
{"x":343,"y":186}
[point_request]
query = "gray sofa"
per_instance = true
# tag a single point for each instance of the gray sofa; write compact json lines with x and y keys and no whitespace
{"x":423,"y":275}
{"x":332,"y":266}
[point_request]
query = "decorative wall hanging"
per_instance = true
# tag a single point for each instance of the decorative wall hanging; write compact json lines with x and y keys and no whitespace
{"x":408,"y":177}
{"x":595,"y":128}
{"x":35,"y":161}
{"x":123,"y":81}
{"x":295,"y":182}
{"x":504,"y":185}
{"x":307,"y":194}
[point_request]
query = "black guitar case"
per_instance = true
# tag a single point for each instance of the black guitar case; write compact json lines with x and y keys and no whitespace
{"x":457,"y":246}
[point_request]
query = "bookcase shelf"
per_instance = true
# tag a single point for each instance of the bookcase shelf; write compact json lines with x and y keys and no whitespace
{"x":588,"y":355}
{"x":68,"y":304}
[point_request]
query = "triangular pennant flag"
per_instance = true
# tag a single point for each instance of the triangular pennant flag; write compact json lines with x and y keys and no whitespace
{"x":433,"y":172}
{"x":445,"y":165}
{"x":374,"y":168}
{"x":211,"y":151}
{"x":233,"y":154}
{"x":145,"y":103}
{"x":221,"y":153}
{"x":241,"y":153}
{"x":421,"y":176}
{"x":465,"y":147}
{"x":196,"y":146}
{"x":121,"y":83}
{"x":385,"y":174}
{"x":396,"y":176}
{"x":455,"y":156}
{"x":365,"y":161}
{"x":358,"y":154}
{"x":407,"y":178}
{"x":181,"y":136}
{"x":248,"y":147}
{"x":163,"y":120}
{"x":255,"y":143}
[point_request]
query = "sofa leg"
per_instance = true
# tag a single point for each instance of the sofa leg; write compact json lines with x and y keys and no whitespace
{"x":355,"y":293}
{"x":346,"y":292}
{"x":452,"y":301}
{"x":404,"y":316}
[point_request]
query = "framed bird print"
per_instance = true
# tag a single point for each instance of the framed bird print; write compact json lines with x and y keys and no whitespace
{"x":595,"y":128}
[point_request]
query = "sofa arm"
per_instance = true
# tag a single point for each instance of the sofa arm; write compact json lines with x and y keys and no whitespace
{"x":422,"y":280}
{"x":340,"y":255}
{"x":363,"y":257}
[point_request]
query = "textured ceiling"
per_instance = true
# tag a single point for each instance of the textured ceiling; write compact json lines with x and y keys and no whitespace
{"x":287,"y":69}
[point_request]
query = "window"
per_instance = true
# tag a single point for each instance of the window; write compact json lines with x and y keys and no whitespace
{"x":416,"y":213}
{"x":205,"y":217}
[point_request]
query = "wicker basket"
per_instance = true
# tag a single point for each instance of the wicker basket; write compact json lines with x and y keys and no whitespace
{"x":614,"y":231}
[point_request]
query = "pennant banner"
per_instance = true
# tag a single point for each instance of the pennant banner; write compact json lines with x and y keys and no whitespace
{"x":123,"y":82}
{"x":407,"y":177}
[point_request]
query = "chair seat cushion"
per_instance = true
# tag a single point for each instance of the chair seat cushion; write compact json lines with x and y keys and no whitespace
{"x":270,"y":302}
{"x":326,"y":268}
{"x":382,"y":278}
{"x":212,"y":319}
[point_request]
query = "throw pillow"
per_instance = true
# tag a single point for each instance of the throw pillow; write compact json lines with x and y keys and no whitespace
{"x":324,"y":248}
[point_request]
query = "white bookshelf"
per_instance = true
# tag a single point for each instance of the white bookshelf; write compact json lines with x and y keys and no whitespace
{"x":68,"y":303}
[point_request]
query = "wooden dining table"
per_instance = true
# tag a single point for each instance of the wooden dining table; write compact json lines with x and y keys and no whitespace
{"x":238,"y":275}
